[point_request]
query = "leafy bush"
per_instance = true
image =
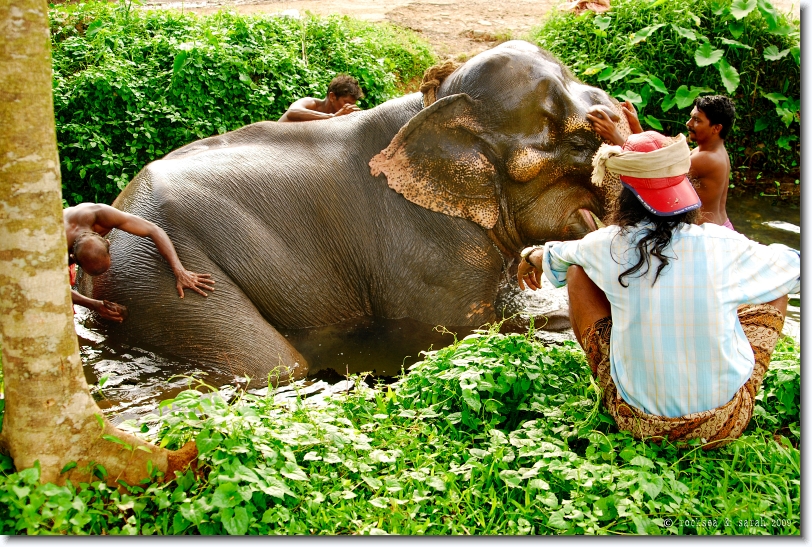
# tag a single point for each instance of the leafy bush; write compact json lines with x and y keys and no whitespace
{"x":661,"y":54}
{"x":543,"y":458}
{"x":130,"y":86}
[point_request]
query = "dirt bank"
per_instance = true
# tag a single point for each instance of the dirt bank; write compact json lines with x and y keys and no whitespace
{"x":457,"y":29}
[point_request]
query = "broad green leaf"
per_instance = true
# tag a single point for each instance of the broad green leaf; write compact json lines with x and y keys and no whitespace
{"x":383,"y":503}
{"x":181,"y":60}
{"x":668,"y":103}
{"x":685,"y":97}
{"x":373,"y":483}
{"x":94,"y":27}
{"x":206,"y":441}
{"x":226,"y":495}
{"x":605,"y":509}
{"x":622,"y":73}
{"x":68,"y":467}
{"x":236,"y":522}
{"x":734,"y":43}
{"x":631,"y":96}
{"x":686,"y":33}
{"x":775,"y":98}
{"x":602,"y":22}
{"x":706,"y":55}
{"x":784,"y":141}
{"x":653,"y":122}
{"x":651,"y":485}
{"x":644,"y":33}
{"x":730,"y":76}
{"x":605,"y":74}
{"x":628,"y":453}
{"x":796,"y":54}
{"x":114,"y":439}
{"x":736,"y":29}
{"x":293,"y":472}
{"x":594,"y":69}
{"x":742,"y":8}
{"x":557,"y":520}
{"x":771,"y":53}
{"x":436,"y":482}
{"x":641,"y":461}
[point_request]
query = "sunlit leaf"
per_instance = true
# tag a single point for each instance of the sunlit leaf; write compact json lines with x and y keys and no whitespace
{"x":644,"y":33}
{"x":668,"y":103}
{"x":602,"y":22}
{"x":653,"y":122}
{"x":706,"y":55}
{"x":734,"y":43}
{"x":771,"y":53}
{"x":686,"y":33}
{"x":736,"y":29}
{"x":742,"y":8}
{"x":775,"y":98}
{"x":730,"y":76}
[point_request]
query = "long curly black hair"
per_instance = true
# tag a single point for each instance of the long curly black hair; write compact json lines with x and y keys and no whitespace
{"x":628,"y":214}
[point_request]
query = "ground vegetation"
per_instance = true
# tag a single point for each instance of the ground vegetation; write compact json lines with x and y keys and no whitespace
{"x":495,"y":434}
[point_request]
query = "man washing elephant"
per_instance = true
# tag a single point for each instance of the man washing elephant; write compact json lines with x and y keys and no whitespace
{"x":342,"y":94}
{"x":85,"y":226}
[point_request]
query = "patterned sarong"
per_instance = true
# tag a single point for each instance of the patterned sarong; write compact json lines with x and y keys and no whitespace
{"x":762,"y":324}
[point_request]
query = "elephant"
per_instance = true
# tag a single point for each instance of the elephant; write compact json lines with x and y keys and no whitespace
{"x":415,"y":208}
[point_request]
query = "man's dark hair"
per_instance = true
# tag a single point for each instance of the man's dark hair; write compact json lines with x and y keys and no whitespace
{"x":88,"y":248}
{"x":656,"y":236}
{"x":343,"y":85}
{"x":719,"y":110}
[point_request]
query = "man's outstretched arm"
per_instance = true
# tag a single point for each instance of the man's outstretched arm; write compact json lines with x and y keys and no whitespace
{"x":110,"y":217}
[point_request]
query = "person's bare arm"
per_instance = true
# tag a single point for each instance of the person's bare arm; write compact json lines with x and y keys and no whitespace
{"x":631,"y":116}
{"x":307,"y":109}
{"x":110,"y":217}
{"x":304,"y":110}
{"x":108,"y":310}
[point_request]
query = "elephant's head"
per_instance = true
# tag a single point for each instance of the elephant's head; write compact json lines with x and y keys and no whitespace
{"x":506,"y":145}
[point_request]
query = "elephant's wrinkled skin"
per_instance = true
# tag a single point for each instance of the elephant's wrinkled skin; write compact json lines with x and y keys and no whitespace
{"x":398,"y":211}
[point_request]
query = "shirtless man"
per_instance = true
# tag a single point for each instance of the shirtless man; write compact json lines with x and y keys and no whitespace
{"x":711,"y":119}
{"x":342,"y":94}
{"x":85,"y":226}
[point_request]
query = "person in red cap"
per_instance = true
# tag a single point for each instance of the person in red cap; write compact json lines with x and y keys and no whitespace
{"x":678,"y":320}
{"x":711,"y":118}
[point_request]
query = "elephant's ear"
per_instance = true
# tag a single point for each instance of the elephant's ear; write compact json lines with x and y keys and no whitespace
{"x":436,"y":161}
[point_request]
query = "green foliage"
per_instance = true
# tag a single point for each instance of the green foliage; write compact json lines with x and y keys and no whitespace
{"x":131,"y":85}
{"x":661,"y":54}
{"x":495,"y":434}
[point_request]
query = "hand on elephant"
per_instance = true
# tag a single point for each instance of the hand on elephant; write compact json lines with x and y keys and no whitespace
{"x":603,"y":122}
{"x":348,"y":108}
{"x":631,"y":116}
{"x":194,"y":281}
{"x":110,"y":310}
{"x":528,"y":275}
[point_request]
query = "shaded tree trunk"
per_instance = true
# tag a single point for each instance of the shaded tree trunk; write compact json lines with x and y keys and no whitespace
{"x":50,"y":415}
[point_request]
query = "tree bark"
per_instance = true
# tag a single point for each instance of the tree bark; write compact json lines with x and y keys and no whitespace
{"x":50,"y":415}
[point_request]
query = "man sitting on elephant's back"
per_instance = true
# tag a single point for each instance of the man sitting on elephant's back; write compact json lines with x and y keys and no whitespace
{"x":342,"y":94}
{"x":85,"y":226}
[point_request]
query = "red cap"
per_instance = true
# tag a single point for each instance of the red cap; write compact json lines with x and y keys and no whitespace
{"x":665,"y":196}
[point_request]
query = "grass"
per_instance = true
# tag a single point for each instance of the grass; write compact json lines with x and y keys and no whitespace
{"x":495,"y":434}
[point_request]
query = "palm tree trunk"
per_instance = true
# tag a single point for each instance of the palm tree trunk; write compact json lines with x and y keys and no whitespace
{"x":50,"y":415}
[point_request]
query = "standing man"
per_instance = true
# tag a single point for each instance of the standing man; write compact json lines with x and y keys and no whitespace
{"x":711,"y":120}
{"x":342,"y":94}
{"x":85,"y":226}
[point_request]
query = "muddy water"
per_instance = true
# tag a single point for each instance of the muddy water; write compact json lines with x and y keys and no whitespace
{"x":137,"y":380}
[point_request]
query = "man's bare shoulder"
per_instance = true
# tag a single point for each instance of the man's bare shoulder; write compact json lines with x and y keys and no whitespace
{"x":706,"y":163}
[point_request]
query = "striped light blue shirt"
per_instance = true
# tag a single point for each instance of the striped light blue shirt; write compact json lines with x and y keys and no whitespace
{"x":678,"y":347}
